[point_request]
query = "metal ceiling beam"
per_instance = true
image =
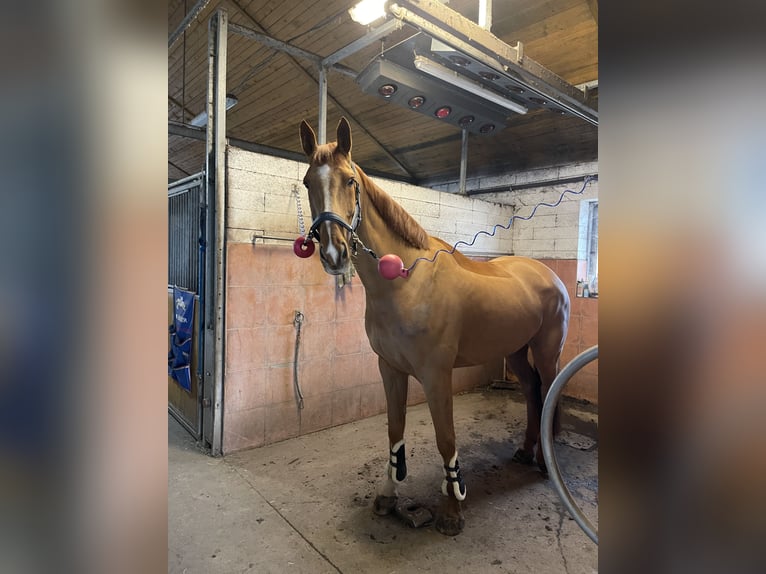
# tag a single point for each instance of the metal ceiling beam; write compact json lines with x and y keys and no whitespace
{"x":532,"y":184}
{"x":184,"y":109}
{"x":371,"y":36}
{"x":485,"y":14}
{"x":428,"y":144}
{"x":195,"y":133}
{"x":275,"y":44}
{"x":345,"y":70}
{"x":451,"y":28}
{"x":186,"y":22}
{"x":281,"y":46}
{"x":345,"y":112}
{"x":178,"y":167}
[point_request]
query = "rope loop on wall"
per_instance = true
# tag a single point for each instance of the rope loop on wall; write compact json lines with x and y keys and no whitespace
{"x":298,"y":322}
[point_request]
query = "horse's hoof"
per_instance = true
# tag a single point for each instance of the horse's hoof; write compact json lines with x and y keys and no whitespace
{"x":450,"y":525}
{"x":543,"y":470}
{"x":523,"y":457}
{"x":384,"y":505}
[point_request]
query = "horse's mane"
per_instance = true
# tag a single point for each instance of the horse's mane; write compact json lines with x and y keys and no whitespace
{"x":398,"y":220}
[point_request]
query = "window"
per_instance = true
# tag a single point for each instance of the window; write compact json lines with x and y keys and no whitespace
{"x":587,"y":252}
{"x":592,"y":254}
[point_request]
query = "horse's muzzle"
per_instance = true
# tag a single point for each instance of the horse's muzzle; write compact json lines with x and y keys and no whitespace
{"x":335,"y":256}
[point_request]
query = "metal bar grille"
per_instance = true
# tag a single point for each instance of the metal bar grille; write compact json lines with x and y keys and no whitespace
{"x":184,"y":234}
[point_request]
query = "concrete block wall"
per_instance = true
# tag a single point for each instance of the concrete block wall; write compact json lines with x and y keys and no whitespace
{"x":261,"y":200}
{"x":553,"y":233}
{"x":266,"y":284}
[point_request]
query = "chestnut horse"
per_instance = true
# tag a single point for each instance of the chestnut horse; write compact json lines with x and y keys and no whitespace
{"x":453,"y":312}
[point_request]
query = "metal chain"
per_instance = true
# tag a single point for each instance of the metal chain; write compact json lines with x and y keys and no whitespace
{"x":355,"y":240}
{"x":301,"y":225}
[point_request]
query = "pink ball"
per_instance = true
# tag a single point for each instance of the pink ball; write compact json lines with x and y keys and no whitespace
{"x":390,"y":267}
{"x":303,"y":248}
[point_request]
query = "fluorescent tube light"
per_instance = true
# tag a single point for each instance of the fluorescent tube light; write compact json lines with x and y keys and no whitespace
{"x":445,"y":74}
{"x":200,"y":120}
{"x":367,"y":11}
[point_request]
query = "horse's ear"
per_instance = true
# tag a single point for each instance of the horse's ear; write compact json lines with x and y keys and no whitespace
{"x":308,"y":139}
{"x":344,"y":136}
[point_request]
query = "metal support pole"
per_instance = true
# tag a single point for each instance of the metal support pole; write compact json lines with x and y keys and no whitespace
{"x":322,"y":136}
{"x":546,"y":438}
{"x":216,"y":201}
{"x":485,"y":14}
{"x":463,"y":161}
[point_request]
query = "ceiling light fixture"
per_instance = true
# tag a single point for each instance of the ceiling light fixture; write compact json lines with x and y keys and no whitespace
{"x":200,"y":120}
{"x":445,"y":74}
{"x":367,"y":11}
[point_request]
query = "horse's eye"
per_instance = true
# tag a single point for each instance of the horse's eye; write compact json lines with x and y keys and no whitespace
{"x":350,"y":182}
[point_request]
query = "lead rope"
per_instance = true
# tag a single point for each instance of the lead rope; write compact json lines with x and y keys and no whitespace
{"x":298,"y":321}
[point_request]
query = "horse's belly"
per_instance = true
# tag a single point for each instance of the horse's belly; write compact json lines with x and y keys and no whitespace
{"x":470,"y":357}
{"x":489,"y":342}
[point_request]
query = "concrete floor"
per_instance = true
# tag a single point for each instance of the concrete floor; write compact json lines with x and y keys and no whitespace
{"x":305,"y":504}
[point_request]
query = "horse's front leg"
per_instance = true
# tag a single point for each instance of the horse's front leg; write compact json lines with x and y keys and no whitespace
{"x":438,"y":390}
{"x":395,"y":383}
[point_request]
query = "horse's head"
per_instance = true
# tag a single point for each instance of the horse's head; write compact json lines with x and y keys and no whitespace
{"x":333,"y":191}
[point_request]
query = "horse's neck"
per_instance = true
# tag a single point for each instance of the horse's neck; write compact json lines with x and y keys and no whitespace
{"x":376,"y":234}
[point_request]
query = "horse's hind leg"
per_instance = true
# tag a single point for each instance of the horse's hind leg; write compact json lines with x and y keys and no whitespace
{"x":530,"y":386}
{"x":546,"y":356}
{"x":395,"y":384}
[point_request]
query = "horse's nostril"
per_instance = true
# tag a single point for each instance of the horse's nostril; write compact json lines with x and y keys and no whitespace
{"x":344,"y":252}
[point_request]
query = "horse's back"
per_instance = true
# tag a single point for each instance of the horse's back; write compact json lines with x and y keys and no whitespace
{"x":523,"y":268}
